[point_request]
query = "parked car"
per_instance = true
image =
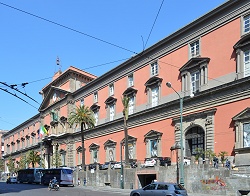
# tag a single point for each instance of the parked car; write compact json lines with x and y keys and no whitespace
{"x":11,"y":180}
{"x":94,"y":166}
{"x":160,"y":189}
{"x":117,"y":165}
{"x":149,"y":162}
{"x":164,"y":161}
{"x":133,"y":163}
{"x":104,"y":166}
{"x":186,"y":161}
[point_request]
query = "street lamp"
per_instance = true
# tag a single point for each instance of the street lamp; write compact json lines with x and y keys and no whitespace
{"x":181,"y":132}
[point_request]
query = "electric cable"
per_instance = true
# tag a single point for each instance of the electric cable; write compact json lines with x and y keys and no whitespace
{"x":69,"y":28}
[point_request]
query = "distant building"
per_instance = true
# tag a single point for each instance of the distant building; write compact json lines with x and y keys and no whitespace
{"x":2,"y":142}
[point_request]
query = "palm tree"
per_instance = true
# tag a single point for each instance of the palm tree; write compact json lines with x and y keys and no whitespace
{"x":85,"y":117}
{"x":33,"y":158}
{"x":125,"y":102}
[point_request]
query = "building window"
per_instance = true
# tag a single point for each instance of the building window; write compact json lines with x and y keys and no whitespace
{"x":79,"y":155}
{"x":194,"y":75}
{"x":246,"y":135}
{"x":246,"y":24}
{"x":195,"y":81}
{"x":81,"y":102}
{"x":154,"y":68}
{"x":111,"y":89}
{"x":96,"y":116}
{"x":111,"y":112}
{"x":94,"y":156}
{"x":95,"y":97}
{"x":154,"y":96}
{"x":130,"y":80}
{"x":194,"y":49}
{"x":152,"y":139}
{"x":110,"y":106}
{"x":242,"y":50}
{"x":247,"y":63}
{"x":131,"y":105}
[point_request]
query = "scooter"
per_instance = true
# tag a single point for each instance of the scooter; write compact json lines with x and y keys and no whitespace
{"x":53,"y":186}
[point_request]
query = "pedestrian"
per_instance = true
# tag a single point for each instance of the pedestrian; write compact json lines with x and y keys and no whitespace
{"x":228,"y":164}
{"x":215,"y":160}
{"x":84,"y":181}
{"x":78,"y":182}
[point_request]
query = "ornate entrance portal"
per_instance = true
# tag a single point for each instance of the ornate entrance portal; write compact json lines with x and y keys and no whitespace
{"x":194,"y":139}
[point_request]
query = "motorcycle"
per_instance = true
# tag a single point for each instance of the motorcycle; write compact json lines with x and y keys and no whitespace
{"x":54,"y":186}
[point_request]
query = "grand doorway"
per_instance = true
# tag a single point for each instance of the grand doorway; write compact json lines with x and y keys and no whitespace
{"x":194,"y":139}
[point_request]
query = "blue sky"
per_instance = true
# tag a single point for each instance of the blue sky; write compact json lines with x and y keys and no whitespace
{"x":30,"y":45}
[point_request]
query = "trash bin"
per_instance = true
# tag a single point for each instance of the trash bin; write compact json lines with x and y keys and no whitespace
{"x":131,"y":185}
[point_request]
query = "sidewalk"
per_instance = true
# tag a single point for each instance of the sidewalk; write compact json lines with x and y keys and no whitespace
{"x":127,"y":191}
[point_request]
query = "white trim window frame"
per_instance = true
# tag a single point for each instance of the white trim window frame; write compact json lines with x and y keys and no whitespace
{"x":154,"y":68}
{"x":194,"y":49}
{"x":82,"y":102}
{"x":111,"y":89}
{"x":131,"y":105}
{"x":154,"y":96}
{"x":195,"y":81}
{"x":96,"y":116}
{"x":246,"y":24}
{"x":95,"y":97}
{"x":111,"y":112}
{"x":246,"y":63}
{"x":130,"y":80}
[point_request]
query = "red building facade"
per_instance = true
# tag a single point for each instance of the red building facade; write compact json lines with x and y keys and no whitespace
{"x":207,"y":63}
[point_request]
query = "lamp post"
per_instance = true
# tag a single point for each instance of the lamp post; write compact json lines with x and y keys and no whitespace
{"x":181,"y":132}
{"x":122,"y":177}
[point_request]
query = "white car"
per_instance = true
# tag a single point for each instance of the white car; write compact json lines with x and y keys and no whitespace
{"x":186,"y":161}
{"x":117,"y":165}
{"x":11,"y":180}
{"x":149,"y":162}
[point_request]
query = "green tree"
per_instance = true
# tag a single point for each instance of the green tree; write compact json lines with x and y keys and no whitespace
{"x":125,"y":103}
{"x":1,"y":165}
{"x":222,"y":155}
{"x":85,"y":118}
{"x":56,"y":159}
{"x":210,"y":155}
{"x":199,"y":153}
{"x":23,"y":161}
{"x":33,"y":158}
{"x":11,"y":165}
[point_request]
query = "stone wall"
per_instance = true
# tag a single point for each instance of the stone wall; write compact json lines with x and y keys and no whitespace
{"x":198,"y":178}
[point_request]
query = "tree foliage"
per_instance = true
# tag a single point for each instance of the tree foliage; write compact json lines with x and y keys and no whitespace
{"x":33,"y":158}
{"x":23,"y":161}
{"x":11,"y":165}
{"x":84,"y":117}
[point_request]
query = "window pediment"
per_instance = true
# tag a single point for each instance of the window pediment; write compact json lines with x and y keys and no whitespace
{"x":79,"y":149}
{"x":22,"y":138}
{"x":27,"y":136}
{"x":18,"y":140}
{"x":244,"y":41}
{"x":95,"y":107}
{"x":153,"y":81}
{"x":109,"y":143}
{"x":152,"y":134}
{"x":63,"y":119}
{"x":245,"y":114}
{"x":130,"y":91}
{"x":33,"y":133}
{"x":94,"y":146}
{"x":130,"y":139}
{"x":12,"y":143}
{"x":194,"y":63}
{"x":61,"y":151}
{"x":110,"y":100}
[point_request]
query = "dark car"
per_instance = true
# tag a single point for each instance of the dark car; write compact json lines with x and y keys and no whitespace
{"x":104,"y":166}
{"x":133,"y":163}
{"x":94,"y":166}
{"x":160,"y":189}
{"x":164,"y":161}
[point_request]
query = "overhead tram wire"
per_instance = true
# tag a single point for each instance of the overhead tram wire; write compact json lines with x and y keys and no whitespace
{"x":69,"y":28}
{"x":58,"y":24}
{"x":17,"y":97}
{"x":153,"y":24}
{"x":13,"y":87}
